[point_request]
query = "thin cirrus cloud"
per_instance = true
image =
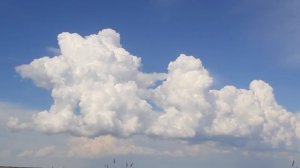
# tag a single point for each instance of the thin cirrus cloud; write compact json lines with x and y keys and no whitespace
{"x":98,"y":89}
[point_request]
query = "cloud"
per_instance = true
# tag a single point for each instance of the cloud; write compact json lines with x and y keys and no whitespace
{"x":84,"y":147}
{"x":53,"y":50}
{"x":8,"y":109}
{"x":98,"y":89}
{"x":43,"y":152}
{"x":107,"y":145}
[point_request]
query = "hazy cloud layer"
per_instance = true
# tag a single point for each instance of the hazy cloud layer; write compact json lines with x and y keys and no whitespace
{"x":84,"y":147}
{"x":43,"y":152}
{"x":98,"y":89}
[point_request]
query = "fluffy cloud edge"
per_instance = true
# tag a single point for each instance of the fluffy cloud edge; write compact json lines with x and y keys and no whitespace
{"x":98,"y":89}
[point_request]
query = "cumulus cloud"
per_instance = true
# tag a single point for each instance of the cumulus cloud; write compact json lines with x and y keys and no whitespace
{"x":98,"y":89}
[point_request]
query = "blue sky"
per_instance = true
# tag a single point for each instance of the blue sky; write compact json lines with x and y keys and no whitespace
{"x":237,"y":42}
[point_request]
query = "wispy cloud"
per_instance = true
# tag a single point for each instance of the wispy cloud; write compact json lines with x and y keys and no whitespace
{"x":43,"y":152}
{"x":84,"y":147}
{"x":53,"y":50}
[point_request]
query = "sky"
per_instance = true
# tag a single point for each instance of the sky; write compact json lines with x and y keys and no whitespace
{"x":160,"y":83}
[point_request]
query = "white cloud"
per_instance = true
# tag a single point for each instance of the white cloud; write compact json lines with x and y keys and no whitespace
{"x":42,"y":152}
{"x":183,"y":98}
{"x":84,"y":147}
{"x":8,"y":109}
{"x":53,"y":50}
{"x":15,"y":125}
{"x":98,"y":89}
